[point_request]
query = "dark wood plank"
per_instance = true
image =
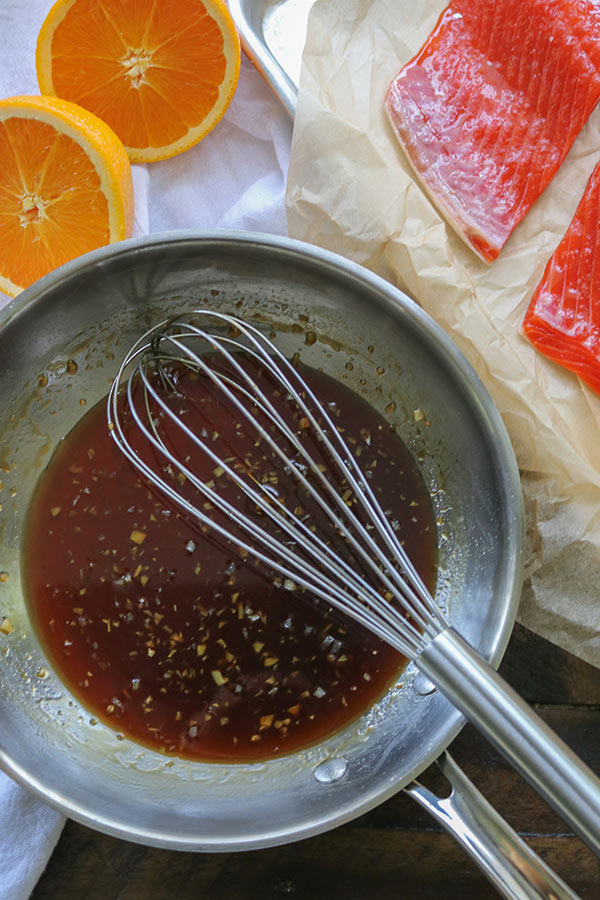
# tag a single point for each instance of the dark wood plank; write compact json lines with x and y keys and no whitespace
{"x":348,"y":862}
{"x":394,"y":851}
{"x":520,"y":805}
{"x":543,"y":673}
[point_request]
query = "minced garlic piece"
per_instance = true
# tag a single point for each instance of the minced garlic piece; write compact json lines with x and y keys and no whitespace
{"x":6,"y":626}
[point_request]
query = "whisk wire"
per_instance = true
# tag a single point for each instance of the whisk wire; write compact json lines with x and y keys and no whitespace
{"x":405,"y":584}
{"x":268,"y":352}
{"x":284,"y":561}
{"x":321,"y":552}
{"x":297,"y":552}
{"x":343,"y":587}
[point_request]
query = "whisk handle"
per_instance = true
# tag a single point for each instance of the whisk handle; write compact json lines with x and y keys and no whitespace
{"x":498,"y":712}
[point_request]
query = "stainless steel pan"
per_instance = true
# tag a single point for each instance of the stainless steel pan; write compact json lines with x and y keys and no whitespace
{"x":272,"y":33}
{"x":90,"y":311}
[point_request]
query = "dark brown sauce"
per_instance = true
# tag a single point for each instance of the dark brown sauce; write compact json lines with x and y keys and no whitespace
{"x":175,"y":639}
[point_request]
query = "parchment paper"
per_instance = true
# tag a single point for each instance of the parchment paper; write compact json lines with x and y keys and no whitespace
{"x":350,"y":190}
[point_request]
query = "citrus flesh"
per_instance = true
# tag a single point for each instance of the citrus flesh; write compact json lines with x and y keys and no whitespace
{"x":161,"y":73}
{"x":65,"y":187}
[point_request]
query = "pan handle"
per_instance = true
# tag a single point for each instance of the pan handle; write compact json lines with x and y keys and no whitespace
{"x":508,"y":862}
{"x":516,"y":731}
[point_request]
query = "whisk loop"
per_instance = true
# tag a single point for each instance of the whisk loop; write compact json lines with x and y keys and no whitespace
{"x":310,"y":562}
{"x":378,"y":586}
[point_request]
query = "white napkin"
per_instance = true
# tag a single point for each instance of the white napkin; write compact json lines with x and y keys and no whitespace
{"x":234,"y":179}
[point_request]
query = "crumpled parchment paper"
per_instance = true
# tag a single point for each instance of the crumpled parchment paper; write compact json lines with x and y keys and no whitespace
{"x":351,"y":190}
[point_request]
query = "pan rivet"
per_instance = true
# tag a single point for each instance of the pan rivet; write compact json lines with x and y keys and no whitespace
{"x":331,"y":770}
{"x":423,"y":685}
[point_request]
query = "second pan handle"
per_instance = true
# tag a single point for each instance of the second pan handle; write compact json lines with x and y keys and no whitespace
{"x":508,"y":862}
{"x":517,"y":732}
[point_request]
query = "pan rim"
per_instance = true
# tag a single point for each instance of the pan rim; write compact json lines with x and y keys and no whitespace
{"x":323,"y":260}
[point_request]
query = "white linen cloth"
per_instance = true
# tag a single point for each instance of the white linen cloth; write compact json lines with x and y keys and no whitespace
{"x":234,"y":179}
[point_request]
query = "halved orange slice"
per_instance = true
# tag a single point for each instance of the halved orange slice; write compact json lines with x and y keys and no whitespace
{"x":65,"y":187}
{"x":161,"y":73}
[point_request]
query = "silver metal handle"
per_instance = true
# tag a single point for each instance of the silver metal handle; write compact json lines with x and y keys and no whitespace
{"x":508,"y":862}
{"x":532,"y":748}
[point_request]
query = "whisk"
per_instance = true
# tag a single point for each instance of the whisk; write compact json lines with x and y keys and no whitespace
{"x":377,"y":585}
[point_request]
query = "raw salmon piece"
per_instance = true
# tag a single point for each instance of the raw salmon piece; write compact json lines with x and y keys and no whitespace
{"x":488,"y":109}
{"x":563,"y":318}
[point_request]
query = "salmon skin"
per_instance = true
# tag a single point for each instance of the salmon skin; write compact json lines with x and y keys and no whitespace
{"x":488,"y":109}
{"x":563,"y":318}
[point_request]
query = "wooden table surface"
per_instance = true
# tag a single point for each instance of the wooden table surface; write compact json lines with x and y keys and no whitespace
{"x":395,"y":851}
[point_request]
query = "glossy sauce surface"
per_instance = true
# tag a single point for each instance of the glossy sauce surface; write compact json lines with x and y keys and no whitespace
{"x":175,"y":639}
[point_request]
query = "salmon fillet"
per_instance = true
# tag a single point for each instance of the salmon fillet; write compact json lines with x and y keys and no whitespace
{"x":488,"y":109}
{"x":563,"y":318}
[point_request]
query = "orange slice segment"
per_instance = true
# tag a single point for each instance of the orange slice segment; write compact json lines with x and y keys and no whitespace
{"x":161,"y":73}
{"x":65,"y":187}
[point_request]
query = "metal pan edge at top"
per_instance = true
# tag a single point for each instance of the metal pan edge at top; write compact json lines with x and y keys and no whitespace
{"x":272,"y":34}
